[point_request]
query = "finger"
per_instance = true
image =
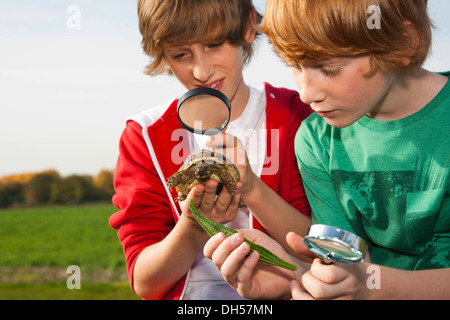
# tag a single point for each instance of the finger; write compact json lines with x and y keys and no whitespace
{"x":228,"y":204}
{"x":235,"y":262}
{"x":330,"y":274}
{"x":212,"y":244}
{"x":246,"y":271}
{"x":209,"y":196}
{"x":237,"y":196}
{"x":195,"y":194}
{"x":322,"y":290}
{"x":297,"y":243}
{"x":225,"y":249}
{"x":298,"y":293}
{"x":223,"y":201}
{"x":313,"y":286}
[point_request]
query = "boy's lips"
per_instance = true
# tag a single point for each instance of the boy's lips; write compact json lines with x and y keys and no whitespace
{"x":326,"y":114}
{"x":218,"y":84}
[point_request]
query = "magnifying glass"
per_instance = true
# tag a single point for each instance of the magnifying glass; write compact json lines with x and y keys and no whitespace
{"x":204,"y":111}
{"x":335,"y":245}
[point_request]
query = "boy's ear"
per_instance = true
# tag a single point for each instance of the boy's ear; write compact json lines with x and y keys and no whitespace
{"x":413,"y":36}
{"x":251,"y":29}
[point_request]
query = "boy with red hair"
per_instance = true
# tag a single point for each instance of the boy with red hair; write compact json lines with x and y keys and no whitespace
{"x":374,"y":157}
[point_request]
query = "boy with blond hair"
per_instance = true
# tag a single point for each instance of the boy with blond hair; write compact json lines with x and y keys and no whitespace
{"x":203,"y":43}
{"x":375,"y":156}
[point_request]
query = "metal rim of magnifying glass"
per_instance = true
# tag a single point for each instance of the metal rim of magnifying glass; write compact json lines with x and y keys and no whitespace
{"x":204,"y":91}
{"x":338,"y":236}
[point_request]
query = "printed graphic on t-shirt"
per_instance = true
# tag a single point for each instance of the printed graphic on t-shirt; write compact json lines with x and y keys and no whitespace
{"x":408,"y":201}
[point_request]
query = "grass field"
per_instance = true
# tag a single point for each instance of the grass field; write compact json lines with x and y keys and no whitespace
{"x":39,"y":244}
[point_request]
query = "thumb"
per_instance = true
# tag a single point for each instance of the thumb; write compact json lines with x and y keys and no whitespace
{"x":297,"y":243}
{"x":195,"y":194}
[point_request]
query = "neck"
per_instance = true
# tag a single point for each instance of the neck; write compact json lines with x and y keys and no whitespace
{"x":408,"y":94}
{"x":239,"y":100}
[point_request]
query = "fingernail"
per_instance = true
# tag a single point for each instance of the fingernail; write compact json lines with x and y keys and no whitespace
{"x":254,"y":255}
{"x":212,"y":186}
{"x":235,"y":238}
{"x":243,"y":247}
{"x":199,"y":189}
{"x":219,"y":236}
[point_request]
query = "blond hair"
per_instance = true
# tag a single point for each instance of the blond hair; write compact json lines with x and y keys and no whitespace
{"x":322,"y":29}
{"x":193,"y":21}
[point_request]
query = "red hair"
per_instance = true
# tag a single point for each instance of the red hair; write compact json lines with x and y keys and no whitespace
{"x":322,"y":29}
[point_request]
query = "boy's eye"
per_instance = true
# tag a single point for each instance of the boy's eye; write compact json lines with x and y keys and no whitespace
{"x":330,"y":71}
{"x":215,"y":45}
{"x":178,"y":56}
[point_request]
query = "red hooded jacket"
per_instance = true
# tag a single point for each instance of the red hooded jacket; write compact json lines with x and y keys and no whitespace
{"x":148,"y":211}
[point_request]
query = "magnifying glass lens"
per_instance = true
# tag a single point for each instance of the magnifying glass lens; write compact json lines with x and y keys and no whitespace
{"x":335,"y":244}
{"x":204,"y":111}
{"x":336,"y":249}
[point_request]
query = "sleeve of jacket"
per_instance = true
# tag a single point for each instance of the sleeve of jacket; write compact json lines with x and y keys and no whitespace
{"x":145,"y":217}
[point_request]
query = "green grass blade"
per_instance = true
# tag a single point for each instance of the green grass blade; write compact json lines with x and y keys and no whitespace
{"x":212,"y":228}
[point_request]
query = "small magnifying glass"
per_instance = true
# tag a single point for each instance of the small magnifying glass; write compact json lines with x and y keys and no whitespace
{"x":335,"y":245}
{"x":204,"y":111}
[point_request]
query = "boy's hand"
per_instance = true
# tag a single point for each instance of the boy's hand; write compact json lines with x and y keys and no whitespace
{"x":249,"y":278}
{"x":233,"y":149}
{"x":222,"y":210}
{"x":337,"y":281}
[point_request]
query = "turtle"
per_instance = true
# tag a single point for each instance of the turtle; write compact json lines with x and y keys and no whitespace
{"x":201,"y":167}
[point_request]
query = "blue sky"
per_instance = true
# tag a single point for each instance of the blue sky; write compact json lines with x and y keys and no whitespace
{"x":65,"y":94}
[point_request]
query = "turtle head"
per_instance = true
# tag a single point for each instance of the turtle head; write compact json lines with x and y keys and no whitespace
{"x":203,"y":173}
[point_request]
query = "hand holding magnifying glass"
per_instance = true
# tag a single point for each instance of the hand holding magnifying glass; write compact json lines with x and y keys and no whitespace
{"x":335,"y":245}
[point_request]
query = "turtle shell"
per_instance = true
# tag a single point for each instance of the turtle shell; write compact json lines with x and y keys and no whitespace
{"x":208,"y":157}
{"x":221,"y":169}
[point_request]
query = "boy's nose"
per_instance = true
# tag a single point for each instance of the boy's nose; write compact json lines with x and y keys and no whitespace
{"x":310,"y":94}
{"x":309,"y":88}
{"x":202,"y":70}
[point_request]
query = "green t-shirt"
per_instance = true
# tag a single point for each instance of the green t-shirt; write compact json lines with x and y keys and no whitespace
{"x":387,"y":181}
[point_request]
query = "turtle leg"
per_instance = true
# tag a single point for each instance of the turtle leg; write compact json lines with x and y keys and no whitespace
{"x":175,"y":179}
{"x":241,"y":204}
{"x":180,"y":177}
{"x":227,"y":180}
{"x":230,"y":184}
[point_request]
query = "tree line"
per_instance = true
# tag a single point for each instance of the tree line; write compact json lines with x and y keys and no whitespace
{"x":49,"y":187}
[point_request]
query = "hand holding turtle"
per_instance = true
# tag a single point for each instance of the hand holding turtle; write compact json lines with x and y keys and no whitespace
{"x":233,"y":149}
{"x":221,"y":208}
{"x":201,"y":178}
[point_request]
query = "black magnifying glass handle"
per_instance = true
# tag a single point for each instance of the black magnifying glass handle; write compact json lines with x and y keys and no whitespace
{"x":326,"y":261}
